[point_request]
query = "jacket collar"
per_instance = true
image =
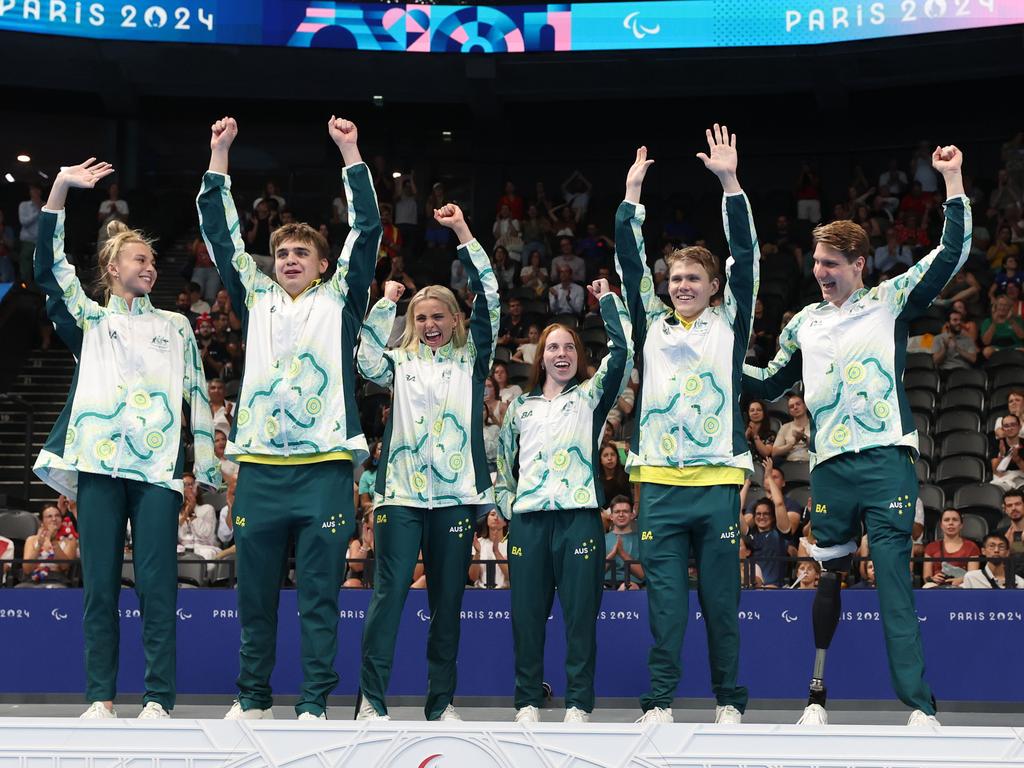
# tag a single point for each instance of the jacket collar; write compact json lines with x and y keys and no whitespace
{"x":140,"y":305}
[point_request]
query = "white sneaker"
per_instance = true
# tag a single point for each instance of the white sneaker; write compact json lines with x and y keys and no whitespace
{"x":527,"y":714}
{"x":576,"y":715}
{"x":367,"y":712}
{"x":814,"y":714}
{"x":919,"y":718}
{"x":728,"y":715}
{"x":237,"y":713}
{"x":449,"y":714}
{"x":153,"y":711}
{"x":656,"y":715}
{"x":311,"y":716}
{"x":98,"y":711}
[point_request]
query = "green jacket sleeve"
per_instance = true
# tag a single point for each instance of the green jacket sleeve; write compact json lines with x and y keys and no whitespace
{"x":358,"y":257}
{"x":483,"y":323}
{"x":372,"y":358}
{"x":785,"y":370}
{"x":631,"y":263}
{"x":68,"y":305}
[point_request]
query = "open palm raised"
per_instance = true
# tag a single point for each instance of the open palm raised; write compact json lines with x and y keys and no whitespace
{"x":722,"y":148}
{"x":85,"y":175}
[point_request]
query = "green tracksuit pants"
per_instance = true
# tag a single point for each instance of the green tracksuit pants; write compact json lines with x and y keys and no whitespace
{"x":878,"y":488}
{"x":105,"y":506}
{"x":445,"y":535}
{"x":311,"y":503}
{"x":675,"y":521}
{"x":561,"y":549}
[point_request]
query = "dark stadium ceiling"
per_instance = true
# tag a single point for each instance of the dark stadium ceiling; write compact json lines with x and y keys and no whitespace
{"x":120,"y":73}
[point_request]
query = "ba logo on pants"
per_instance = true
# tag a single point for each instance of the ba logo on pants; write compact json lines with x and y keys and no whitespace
{"x":821,"y":509}
{"x":517,"y":551}
{"x":381,"y":519}
{"x":240,"y":521}
{"x":647,"y":536}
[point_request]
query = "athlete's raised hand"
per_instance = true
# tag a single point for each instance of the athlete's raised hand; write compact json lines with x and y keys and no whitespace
{"x":948,"y":161}
{"x":345,"y":134}
{"x":599,"y":288}
{"x":84,"y":175}
{"x":722,"y":158}
{"x":393,"y":290}
{"x":222,"y":134}
{"x":635,"y":175}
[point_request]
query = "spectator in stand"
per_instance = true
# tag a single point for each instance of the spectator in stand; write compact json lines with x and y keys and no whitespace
{"x":199,"y":305}
{"x":576,"y":193}
{"x":204,"y":273}
{"x":916,"y":201}
{"x":197,"y":522}
{"x":495,"y":406}
{"x":391,"y":236}
{"x":808,"y":195}
{"x":436,"y":236}
{"x":489,"y":544}
{"x":407,"y":212}
{"x":888,"y":256}
{"x":791,"y":443}
{"x":226,"y":522}
{"x":612,"y":475}
{"x":506,"y":391}
{"x":1013,"y":293}
{"x":596,"y":249}
{"x":566,"y":298}
{"x":28,"y":217}
{"x":1005,"y":195}
{"x":963,"y":287}
{"x":968,"y":326}
{"x":603,"y":273}
{"x":1008,"y":463}
{"x":1010,"y":273}
{"x":624,"y":405}
{"x":911,"y":232}
{"x":513,"y":329}
{"x":622,"y":546}
{"x":1012,"y":525}
{"x":183,"y":305}
{"x":235,"y":366}
{"x":504,"y":269}
{"x":1002,"y":330}
{"x":49,"y":544}
{"x":759,"y":432}
{"x":868,"y":579}
{"x":527,"y":352}
{"x":6,"y":556}
{"x":368,"y":479}
{"x":271,"y":197}
{"x":660,"y":269}
{"x":764,"y":333}
{"x":111,"y":208}
{"x":223,"y":410}
{"x":459,"y":280}
{"x":563,"y":220}
{"x":214,"y":353}
{"x":512,"y":200}
{"x":222,"y":303}
{"x":535,"y":276}
{"x":953,"y":348}
{"x":360,"y":549}
{"x":922,"y":170}
{"x":678,"y":229}
{"x":568,"y":258}
{"x":1001,"y":248}
{"x":8,"y":270}
{"x":996,"y":550}
{"x":891,"y":184}
{"x":508,"y":233}
{"x":773,"y":476}
{"x":949,"y":570}
{"x":771,"y":526}
{"x":808,"y":573}
{"x":1014,"y":405}
{"x":536,"y":230}
{"x":228,"y":468}
{"x":257,"y":236}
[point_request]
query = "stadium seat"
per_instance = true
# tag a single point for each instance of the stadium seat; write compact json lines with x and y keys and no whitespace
{"x":779,"y":409}
{"x":231,"y":388}
{"x":217,"y":500}
{"x":18,"y":525}
{"x":967,"y":377}
{"x":593,"y":321}
{"x":569,"y":321}
{"x":923,"y":470}
{"x":927,"y":380}
{"x":957,"y":420}
{"x":523,"y":294}
{"x":975,"y":528}
{"x":535,"y":307}
{"x":921,"y":401}
{"x":518,"y":372}
{"x":920,"y":361}
{"x":964,"y":443}
{"x":923,"y":423}
{"x":982,"y":499}
{"x":502,"y":353}
{"x":1000,"y":395}
{"x":191,"y":569}
{"x":594,"y":336}
{"x":1012,"y":378}
{"x":923,"y":325}
{"x":800,"y":494}
{"x":932,"y":497}
{"x":797,"y":473}
{"x":926,"y":447}
{"x":956,"y":471}
{"x":970,"y":400}
{"x":1005,"y":358}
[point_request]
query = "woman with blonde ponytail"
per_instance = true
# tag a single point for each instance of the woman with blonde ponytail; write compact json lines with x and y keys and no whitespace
{"x":116,"y":446}
{"x":433,"y":465}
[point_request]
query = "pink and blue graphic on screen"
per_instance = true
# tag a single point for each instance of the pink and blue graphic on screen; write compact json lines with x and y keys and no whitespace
{"x":440,"y":29}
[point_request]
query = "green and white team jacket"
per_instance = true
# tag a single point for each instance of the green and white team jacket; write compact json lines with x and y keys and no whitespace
{"x":547,"y":448}
{"x":138,"y":369}
{"x":688,"y":405}
{"x":297,"y":396}
{"x":851,"y":358}
{"x":433,"y":453}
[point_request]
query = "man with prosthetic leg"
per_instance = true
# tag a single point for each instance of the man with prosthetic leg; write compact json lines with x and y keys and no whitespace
{"x":850,"y":351}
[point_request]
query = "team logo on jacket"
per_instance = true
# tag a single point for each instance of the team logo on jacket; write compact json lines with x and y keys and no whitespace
{"x":586,"y":549}
{"x":160,"y":343}
{"x":462,"y":527}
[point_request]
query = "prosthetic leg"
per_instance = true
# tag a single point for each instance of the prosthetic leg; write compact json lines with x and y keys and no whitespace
{"x":825,"y":619}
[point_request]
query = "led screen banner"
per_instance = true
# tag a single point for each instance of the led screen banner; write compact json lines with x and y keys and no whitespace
{"x":552,"y":27}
